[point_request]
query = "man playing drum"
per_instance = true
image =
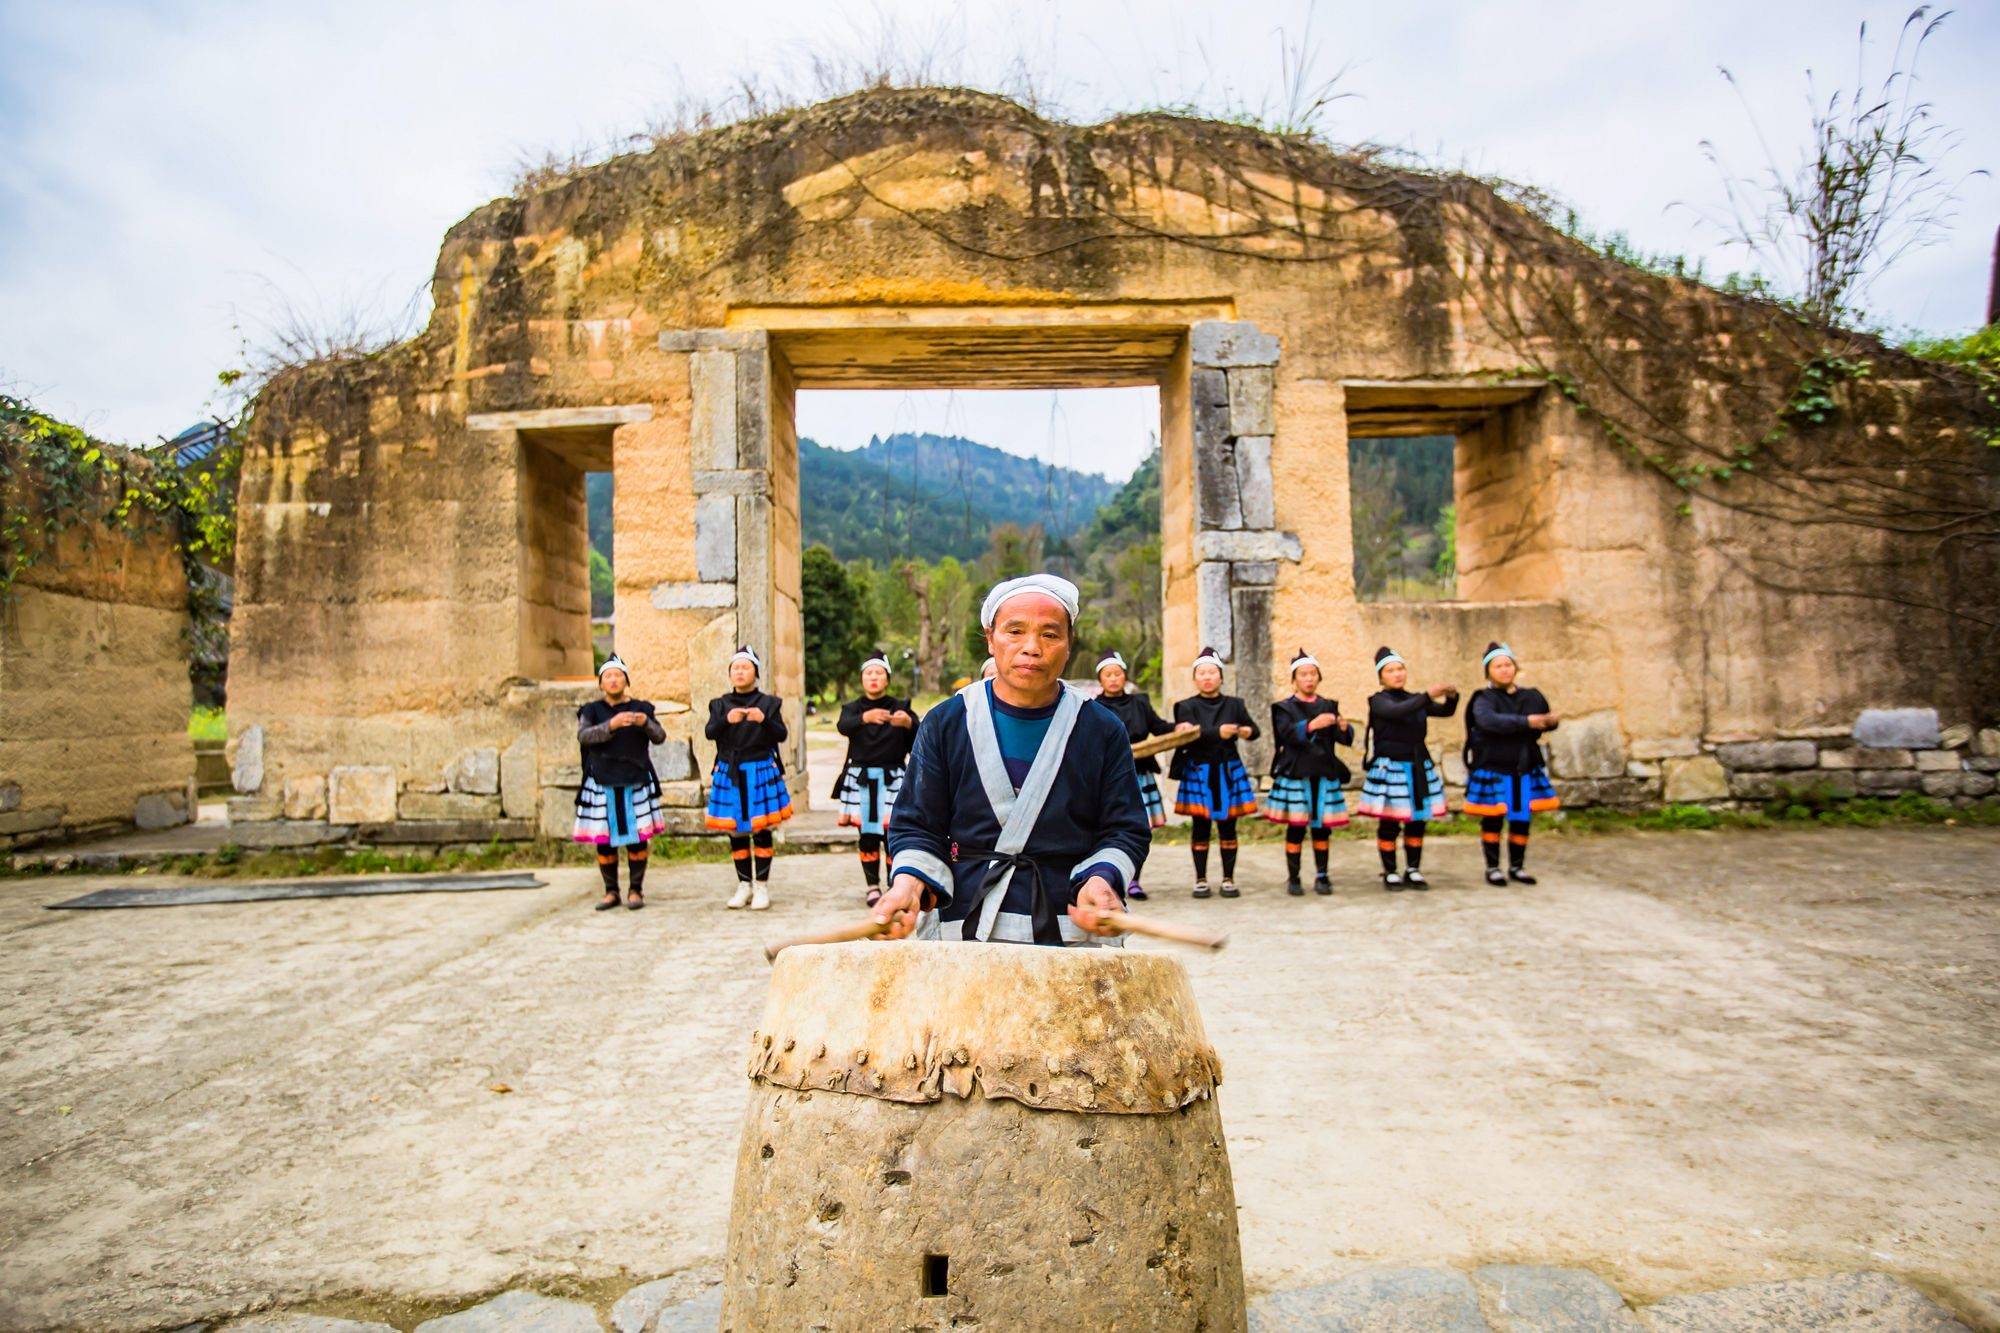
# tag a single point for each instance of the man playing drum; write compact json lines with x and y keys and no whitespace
{"x":1020,"y":818}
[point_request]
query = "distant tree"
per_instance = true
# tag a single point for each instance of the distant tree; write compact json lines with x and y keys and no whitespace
{"x":600,"y":585}
{"x":840,"y":629}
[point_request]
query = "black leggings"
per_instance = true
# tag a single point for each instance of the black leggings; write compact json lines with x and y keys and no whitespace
{"x":1295,"y":846}
{"x":755,"y":848}
{"x":871,"y":859}
{"x":635,"y":865}
{"x":1517,"y":840}
{"x":1225,"y":833}
{"x":1413,"y":843}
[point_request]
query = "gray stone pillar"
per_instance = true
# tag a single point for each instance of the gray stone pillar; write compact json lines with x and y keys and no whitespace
{"x":730,"y":386}
{"x":1237,"y":542}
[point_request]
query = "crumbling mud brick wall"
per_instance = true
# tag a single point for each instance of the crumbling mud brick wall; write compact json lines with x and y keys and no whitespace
{"x":1702,"y":521}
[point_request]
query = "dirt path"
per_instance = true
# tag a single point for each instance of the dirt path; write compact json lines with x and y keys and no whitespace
{"x":1683,"y":1061}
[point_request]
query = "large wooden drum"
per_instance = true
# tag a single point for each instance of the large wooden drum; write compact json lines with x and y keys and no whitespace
{"x":981,"y":1135}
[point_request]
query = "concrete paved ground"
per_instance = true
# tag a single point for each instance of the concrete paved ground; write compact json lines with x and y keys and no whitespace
{"x":1684,"y":1062}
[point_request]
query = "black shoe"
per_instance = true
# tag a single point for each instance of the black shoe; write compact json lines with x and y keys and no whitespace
{"x":1520,"y":876}
{"x":1293,"y":887}
{"x":1135,"y":893}
{"x":1201,"y":888}
{"x":1494,"y":877}
{"x":1229,"y":889}
{"x":610,"y":901}
{"x":1321,"y":884}
{"x":634,"y":900}
{"x":1392,"y":881}
{"x":1415,"y":878}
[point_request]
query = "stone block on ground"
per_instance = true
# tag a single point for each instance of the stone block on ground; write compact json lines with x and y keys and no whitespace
{"x":246,"y":771}
{"x":1887,"y":781}
{"x":361,"y":794}
{"x":1898,"y":728}
{"x":1986,"y":743}
{"x":253,"y":809}
{"x":305,"y":797}
{"x":1939,"y":783}
{"x":680,"y":794}
{"x":1850,"y":1302}
{"x":520,"y":788}
{"x":1938,"y":761}
{"x":30,"y":821}
{"x":1767,"y":755}
{"x":518,"y":1312}
{"x":476,"y":772}
{"x":673,"y":760}
{"x":158,"y":809}
{"x":1376,"y":1300}
{"x":665,"y":1307}
{"x":1696,"y":778}
{"x":1530,"y":1297}
{"x":10,"y":797}
{"x":1977,"y":784}
{"x":1592,"y":746}
{"x":558,"y":813}
{"x":447,"y":805}
{"x":1859,"y":756}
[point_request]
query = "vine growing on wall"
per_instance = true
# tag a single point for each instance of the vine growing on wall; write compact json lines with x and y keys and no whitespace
{"x":57,"y":480}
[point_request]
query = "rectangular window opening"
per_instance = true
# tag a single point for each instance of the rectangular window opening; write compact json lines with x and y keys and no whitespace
{"x":1450,"y":491}
{"x":937,"y":1274}
{"x":1404,"y":515}
{"x":561,"y":471}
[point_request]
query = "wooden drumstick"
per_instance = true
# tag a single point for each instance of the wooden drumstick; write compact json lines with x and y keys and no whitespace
{"x":866,"y":929}
{"x":1128,"y":924}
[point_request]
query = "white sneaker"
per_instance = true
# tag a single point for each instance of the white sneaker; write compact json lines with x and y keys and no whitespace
{"x":759,"y":900}
{"x":741,"y":898}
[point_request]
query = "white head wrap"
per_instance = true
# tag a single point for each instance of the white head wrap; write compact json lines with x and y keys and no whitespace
{"x":988,"y":668}
{"x":615,"y":663}
{"x":1051,"y":585}
{"x":1303,"y":659}
{"x":1111,"y":659}
{"x":1208,"y":658}
{"x":747,"y":654}
{"x":877,"y":660}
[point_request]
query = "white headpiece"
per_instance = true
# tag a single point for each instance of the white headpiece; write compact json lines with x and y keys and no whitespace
{"x":1303,"y":659}
{"x":1208,"y":657}
{"x":1052,"y":585}
{"x":747,"y":654}
{"x":1111,"y":659}
{"x":615,"y":663}
{"x":877,"y":660}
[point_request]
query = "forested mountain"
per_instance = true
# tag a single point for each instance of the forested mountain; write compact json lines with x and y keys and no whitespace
{"x":928,"y":496}
{"x":918,"y":496}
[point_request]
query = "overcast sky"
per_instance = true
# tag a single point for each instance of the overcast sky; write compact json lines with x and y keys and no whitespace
{"x":170,"y":172}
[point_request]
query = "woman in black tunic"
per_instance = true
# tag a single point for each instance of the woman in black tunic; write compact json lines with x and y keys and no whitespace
{"x":1507,"y":783}
{"x":618,"y":804}
{"x":1135,"y":710}
{"x":1214,"y":788}
{"x":1402,"y":790}
{"x":1306,"y":772}
{"x":747,"y":796}
{"x":879,"y":729}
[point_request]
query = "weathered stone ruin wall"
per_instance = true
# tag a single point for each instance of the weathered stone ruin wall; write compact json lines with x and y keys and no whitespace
{"x":94,"y":691}
{"x":398,"y":607}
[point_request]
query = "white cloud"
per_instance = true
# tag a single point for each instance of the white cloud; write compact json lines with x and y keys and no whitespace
{"x":162,"y":165}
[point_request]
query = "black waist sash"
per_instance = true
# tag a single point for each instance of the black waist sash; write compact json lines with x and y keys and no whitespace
{"x":1042,"y":909}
